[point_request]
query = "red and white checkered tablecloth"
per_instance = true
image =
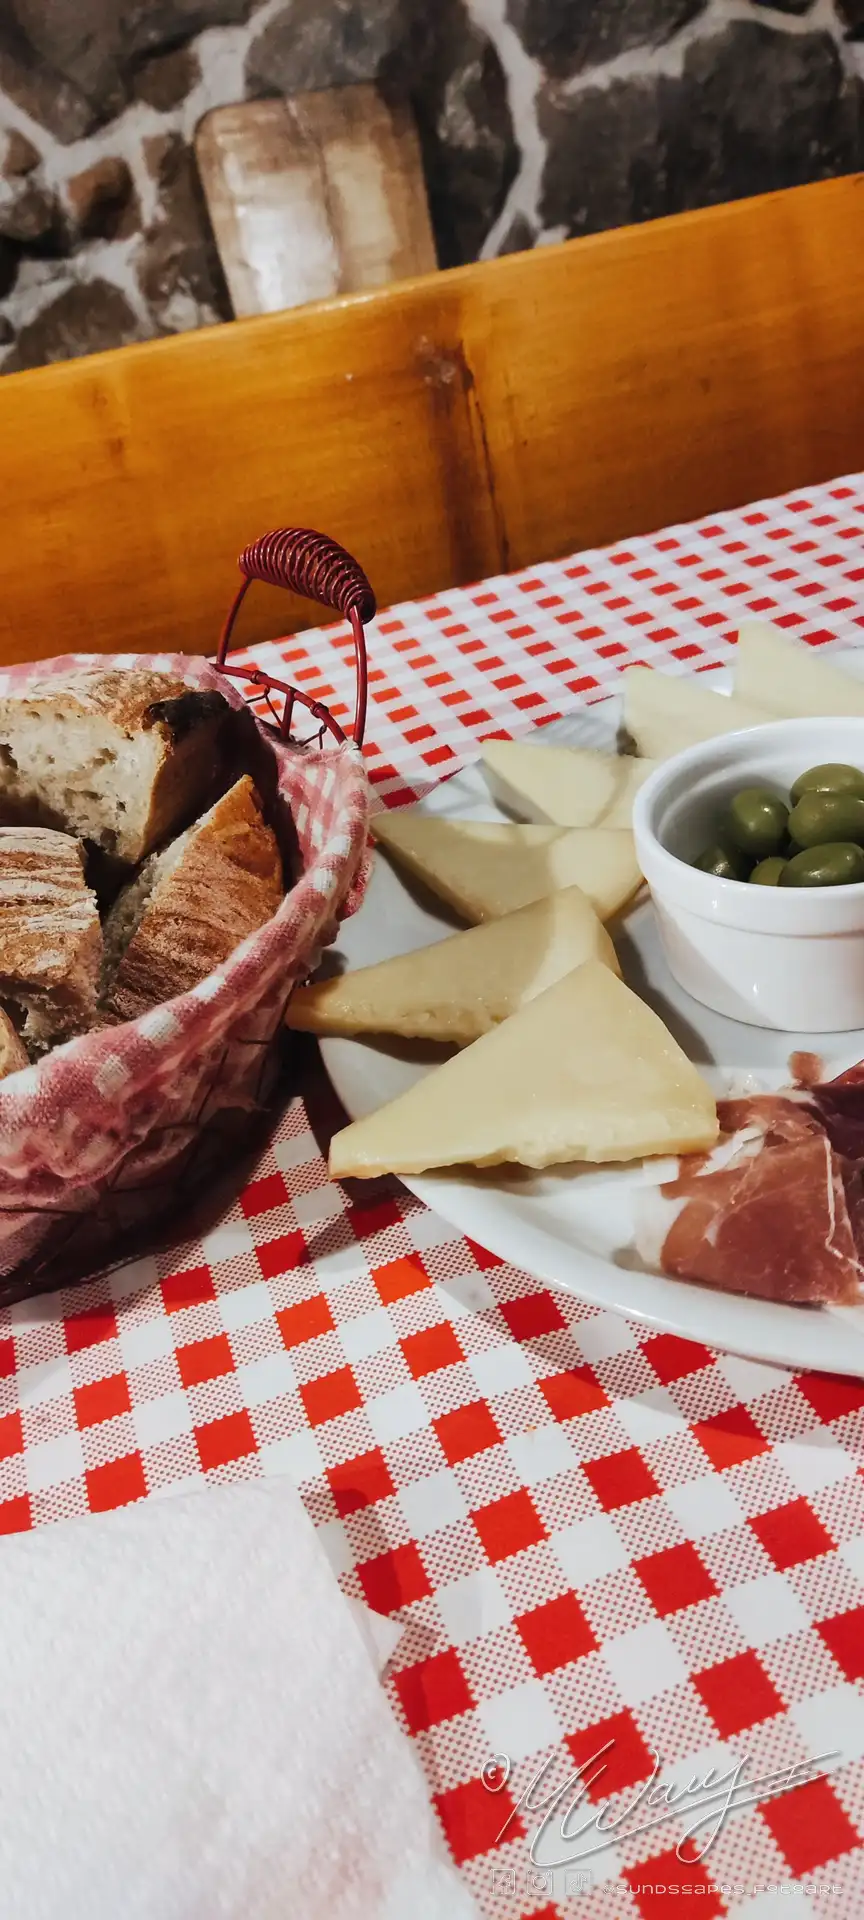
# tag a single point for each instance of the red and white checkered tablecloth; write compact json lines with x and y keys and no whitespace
{"x":592,"y":1534}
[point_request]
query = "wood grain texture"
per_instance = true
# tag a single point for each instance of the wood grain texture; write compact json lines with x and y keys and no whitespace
{"x":443,"y":429}
{"x":314,"y":196}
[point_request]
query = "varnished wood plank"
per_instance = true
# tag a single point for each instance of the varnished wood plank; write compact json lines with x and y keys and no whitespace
{"x":444,"y":429}
{"x":704,"y":361}
{"x":155,"y":468}
{"x":314,"y":196}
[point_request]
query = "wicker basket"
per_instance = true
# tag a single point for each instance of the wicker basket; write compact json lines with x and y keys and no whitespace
{"x":99,"y":1141}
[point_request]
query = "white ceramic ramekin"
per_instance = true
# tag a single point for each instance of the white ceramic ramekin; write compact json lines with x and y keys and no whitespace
{"x":791,"y":958}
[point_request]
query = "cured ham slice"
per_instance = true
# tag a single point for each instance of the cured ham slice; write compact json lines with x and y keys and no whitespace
{"x":778,"y":1212}
{"x":840,"y":1107}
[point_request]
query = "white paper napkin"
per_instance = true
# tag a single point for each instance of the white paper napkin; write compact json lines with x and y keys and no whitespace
{"x":192,"y":1728}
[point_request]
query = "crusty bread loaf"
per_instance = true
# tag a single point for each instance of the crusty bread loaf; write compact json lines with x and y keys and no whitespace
{"x":50,"y":937}
{"x":191,"y":906}
{"x":119,"y":757}
{"x":13,"y":1053}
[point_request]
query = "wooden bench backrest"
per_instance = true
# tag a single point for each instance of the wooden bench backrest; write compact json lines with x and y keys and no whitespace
{"x":444,"y":429}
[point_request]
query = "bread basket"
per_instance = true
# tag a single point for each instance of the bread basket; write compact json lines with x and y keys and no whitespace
{"x":101,"y":1138}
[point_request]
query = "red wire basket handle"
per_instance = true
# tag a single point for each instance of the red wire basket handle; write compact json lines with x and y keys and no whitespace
{"x":309,"y":564}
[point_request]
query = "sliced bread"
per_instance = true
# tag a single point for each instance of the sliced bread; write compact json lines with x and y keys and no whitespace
{"x":191,"y":906}
{"x":50,"y":936}
{"x":119,"y":757}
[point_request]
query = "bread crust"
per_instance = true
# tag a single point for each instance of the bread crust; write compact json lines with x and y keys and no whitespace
{"x":223,"y":882}
{"x":120,"y":757}
{"x":13,"y":1053}
{"x":131,"y":698}
{"x":50,"y":936}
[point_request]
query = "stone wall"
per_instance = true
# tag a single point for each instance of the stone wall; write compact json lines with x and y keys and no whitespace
{"x":538,"y":118}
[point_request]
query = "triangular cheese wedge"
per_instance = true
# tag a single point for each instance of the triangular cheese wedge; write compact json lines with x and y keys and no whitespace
{"x":664,"y":712}
{"x":563,"y":787}
{"x":795,"y":678}
{"x":465,"y":985}
{"x":485,"y":871}
{"x":586,"y":1072}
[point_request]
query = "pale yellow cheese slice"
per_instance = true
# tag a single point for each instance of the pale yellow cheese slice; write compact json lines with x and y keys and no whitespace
{"x":564,"y":786}
{"x":465,"y":985}
{"x":664,"y":712}
{"x":485,"y":871}
{"x":793,"y":677}
{"x":586,"y":1072}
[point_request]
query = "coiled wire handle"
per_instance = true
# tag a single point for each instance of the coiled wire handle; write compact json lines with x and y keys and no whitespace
{"x":309,"y":564}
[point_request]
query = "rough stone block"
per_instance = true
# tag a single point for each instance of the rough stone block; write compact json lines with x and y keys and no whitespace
{"x":758,"y":110}
{"x":754,"y":110}
{"x":93,"y":46}
{"x":605,"y":165}
{"x":30,"y":215}
{"x":18,"y":156}
{"x":312,"y":44}
{"x":179,"y":270}
{"x":54,"y":102}
{"x":569,"y":35}
{"x":102,"y":200}
{"x":164,"y":81}
{"x":453,"y":75}
{"x":155,"y":26}
{"x":85,"y":318}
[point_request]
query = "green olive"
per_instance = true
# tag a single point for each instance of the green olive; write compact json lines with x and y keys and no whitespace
{"x":821,"y":819}
{"x":829,"y":779}
{"x":725,"y":865}
{"x":840,"y":865}
{"x":768,"y":872}
{"x":755,"y":822}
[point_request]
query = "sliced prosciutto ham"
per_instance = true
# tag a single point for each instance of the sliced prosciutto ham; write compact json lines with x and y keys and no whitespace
{"x":839,"y":1105}
{"x":778,"y":1211}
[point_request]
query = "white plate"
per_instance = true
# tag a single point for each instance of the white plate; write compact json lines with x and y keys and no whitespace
{"x":573,"y":1227}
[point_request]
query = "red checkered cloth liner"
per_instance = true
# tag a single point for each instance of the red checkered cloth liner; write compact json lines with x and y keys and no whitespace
{"x":116,"y":1115}
{"x":593,"y":1534}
